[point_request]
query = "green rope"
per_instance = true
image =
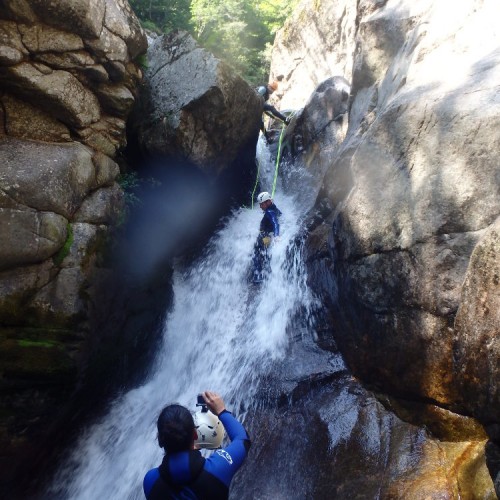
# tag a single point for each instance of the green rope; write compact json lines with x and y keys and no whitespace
{"x":278,"y":157}
{"x":256,"y":180}
{"x":277,"y":161}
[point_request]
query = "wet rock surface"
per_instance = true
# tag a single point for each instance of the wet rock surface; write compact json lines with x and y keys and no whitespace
{"x":328,"y":437}
{"x":402,"y":239}
{"x":193,"y":107}
{"x":69,"y":81}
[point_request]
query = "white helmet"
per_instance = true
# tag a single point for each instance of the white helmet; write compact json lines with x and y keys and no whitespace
{"x":262,"y":91}
{"x":209,"y":429}
{"x":264,"y":196}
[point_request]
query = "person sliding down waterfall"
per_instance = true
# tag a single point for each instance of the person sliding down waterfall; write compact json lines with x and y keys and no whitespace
{"x":265,"y":91}
{"x":269,"y":231}
{"x":184,"y":473}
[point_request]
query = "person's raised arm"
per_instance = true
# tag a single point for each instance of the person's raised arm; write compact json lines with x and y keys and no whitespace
{"x":214,"y":402}
{"x":216,"y":405}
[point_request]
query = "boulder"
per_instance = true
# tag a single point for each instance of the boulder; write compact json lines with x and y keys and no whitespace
{"x":68,"y":81}
{"x":320,"y":120}
{"x":54,"y":60}
{"x":406,"y":199}
{"x":477,"y":323}
{"x":193,"y":107}
{"x":12,"y":50}
{"x":106,"y":169}
{"x":62,"y":301}
{"x":103,"y":206}
{"x":116,"y":98}
{"x":105,"y":136}
{"x":46,"y":177}
{"x":109,"y":46}
{"x":41,"y":38}
{"x":26,"y":121}
{"x":83,"y":17}
{"x":18,"y":10}
{"x":121,"y":20}
{"x":55,"y":91}
{"x":29,"y":236}
{"x":307,"y":53}
{"x":346,"y":444}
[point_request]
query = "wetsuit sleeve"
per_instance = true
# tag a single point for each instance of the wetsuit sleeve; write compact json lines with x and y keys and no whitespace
{"x":224,"y":463}
{"x":233,"y":427}
{"x":149,"y":480}
{"x":273,"y":112}
{"x":271,"y":214}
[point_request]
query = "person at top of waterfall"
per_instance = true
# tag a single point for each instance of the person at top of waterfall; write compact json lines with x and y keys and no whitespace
{"x":269,"y":230}
{"x":184,"y":473}
{"x":265,"y":91}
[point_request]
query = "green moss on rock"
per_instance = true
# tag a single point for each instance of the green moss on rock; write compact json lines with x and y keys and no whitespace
{"x":64,"y":251}
{"x":39,"y":354}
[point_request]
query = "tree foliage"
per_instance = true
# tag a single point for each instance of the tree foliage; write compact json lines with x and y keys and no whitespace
{"x":240,"y":32}
{"x":163,"y":16}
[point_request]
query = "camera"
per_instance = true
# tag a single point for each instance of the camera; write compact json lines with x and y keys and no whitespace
{"x":201,"y":402}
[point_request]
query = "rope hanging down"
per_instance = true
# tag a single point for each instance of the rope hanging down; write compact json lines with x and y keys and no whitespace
{"x":256,"y":179}
{"x":278,"y":158}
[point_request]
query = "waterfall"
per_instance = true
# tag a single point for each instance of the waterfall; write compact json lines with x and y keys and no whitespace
{"x":222,"y":334}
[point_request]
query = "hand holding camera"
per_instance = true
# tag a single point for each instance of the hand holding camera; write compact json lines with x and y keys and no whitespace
{"x":212,"y":401}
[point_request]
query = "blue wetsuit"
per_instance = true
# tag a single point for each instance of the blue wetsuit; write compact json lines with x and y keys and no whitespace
{"x":269,"y":223}
{"x":187,"y":475}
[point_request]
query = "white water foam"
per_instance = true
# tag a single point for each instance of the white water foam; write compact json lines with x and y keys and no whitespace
{"x":222,"y":334}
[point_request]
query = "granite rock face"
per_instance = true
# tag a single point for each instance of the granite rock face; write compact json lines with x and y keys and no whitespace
{"x":316,"y":43}
{"x":403,"y":243}
{"x":193,"y":107}
{"x":69,"y":79}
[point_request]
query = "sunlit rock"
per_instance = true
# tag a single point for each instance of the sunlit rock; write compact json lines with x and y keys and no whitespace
{"x":317,"y":42}
{"x":120,"y":20}
{"x":58,"y":92}
{"x":83,"y":17}
{"x":406,"y":213}
{"x":346,"y":444}
{"x":410,"y":192}
{"x":193,"y":107}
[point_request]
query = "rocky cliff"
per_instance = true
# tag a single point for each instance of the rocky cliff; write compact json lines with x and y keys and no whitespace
{"x":404,"y":247}
{"x":80,"y":301}
{"x":193,"y":108}
{"x":69,"y":77}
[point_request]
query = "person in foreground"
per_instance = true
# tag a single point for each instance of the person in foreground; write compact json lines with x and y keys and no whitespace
{"x":184,"y":473}
{"x":269,"y":231}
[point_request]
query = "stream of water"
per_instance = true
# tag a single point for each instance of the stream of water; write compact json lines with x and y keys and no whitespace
{"x":222,"y":334}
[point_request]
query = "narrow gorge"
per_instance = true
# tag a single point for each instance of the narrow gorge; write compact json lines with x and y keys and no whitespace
{"x":128,"y":163}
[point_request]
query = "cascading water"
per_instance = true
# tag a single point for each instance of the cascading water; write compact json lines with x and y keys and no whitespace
{"x":222,"y":334}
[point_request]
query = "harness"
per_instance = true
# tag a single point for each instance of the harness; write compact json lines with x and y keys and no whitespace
{"x":178,"y":482}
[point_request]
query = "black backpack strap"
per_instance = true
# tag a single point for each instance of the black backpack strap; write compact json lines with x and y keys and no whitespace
{"x":169,"y":486}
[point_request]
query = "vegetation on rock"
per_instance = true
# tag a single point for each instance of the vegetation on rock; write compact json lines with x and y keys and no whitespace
{"x":238,"y":31}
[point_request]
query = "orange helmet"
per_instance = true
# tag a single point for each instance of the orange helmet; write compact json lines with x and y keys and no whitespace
{"x":273,"y":85}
